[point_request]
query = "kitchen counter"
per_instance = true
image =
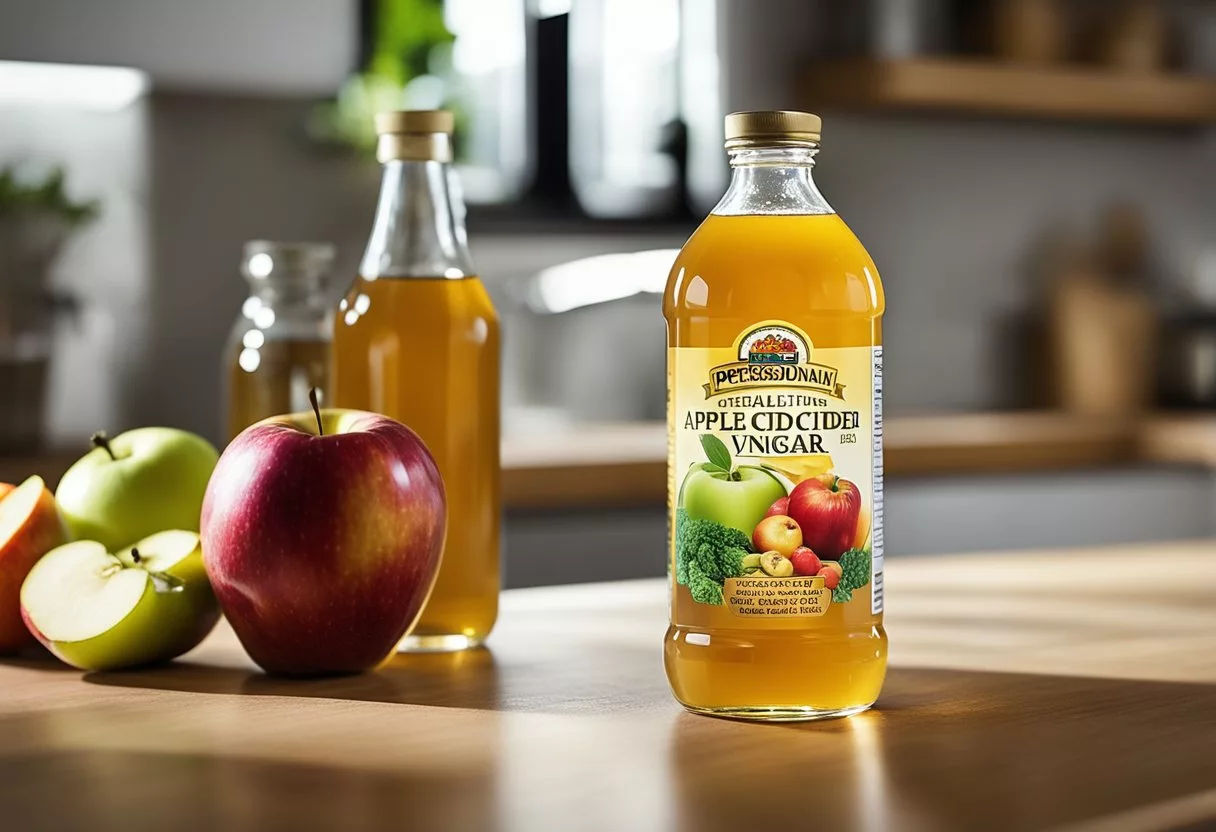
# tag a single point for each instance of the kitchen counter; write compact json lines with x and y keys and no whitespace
{"x":626,"y":464}
{"x":1070,"y":689}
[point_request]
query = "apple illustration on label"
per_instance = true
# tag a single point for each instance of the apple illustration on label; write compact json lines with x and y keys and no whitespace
{"x":30,"y":526}
{"x":138,"y":483}
{"x":100,"y":611}
{"x":777,"y":533}
{"x":780,"y":506}
{"x":322,"y":534}
{"x":831,"y":573}
{"x":827,"y":508}
{"x":735,"y":496}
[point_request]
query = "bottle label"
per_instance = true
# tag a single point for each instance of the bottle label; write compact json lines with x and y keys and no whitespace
{"x":775,"y":479}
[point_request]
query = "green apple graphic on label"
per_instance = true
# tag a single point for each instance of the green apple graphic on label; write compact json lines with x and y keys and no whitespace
{"x":100,"y":611}
{"x":735,"y":496}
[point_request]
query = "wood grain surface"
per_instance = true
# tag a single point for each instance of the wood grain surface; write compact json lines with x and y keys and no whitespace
{"x":1050,"y":690}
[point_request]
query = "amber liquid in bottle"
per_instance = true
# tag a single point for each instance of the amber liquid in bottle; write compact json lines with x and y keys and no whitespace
{"x":416,"y":338}
{"x":278,"y":348}
{"x":279,"y":383}
{"x":774,"y":249}
{"x":425,"y":352}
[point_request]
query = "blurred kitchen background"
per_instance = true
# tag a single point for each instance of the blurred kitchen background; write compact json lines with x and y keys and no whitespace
{"x":1036,"y":180}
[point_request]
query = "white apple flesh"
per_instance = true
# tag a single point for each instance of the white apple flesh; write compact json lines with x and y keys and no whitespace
{"x":101,"y":611}
{"x":30,"y":526}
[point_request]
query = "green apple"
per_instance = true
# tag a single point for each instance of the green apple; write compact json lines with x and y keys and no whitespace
{"x":138,"y":483}
{"x":737,"y":498}
{"x":101,"y":611}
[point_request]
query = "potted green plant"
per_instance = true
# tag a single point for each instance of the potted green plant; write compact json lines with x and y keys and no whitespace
{"x":36,"y":218}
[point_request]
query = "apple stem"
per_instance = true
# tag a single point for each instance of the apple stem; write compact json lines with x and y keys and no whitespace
{"x":135,"y":555}
{"x":316,"y":409}
{"x":100,"y":440}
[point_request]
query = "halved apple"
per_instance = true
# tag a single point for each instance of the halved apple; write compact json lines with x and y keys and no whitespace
{"x":95,"y":610}
{"x":30,"y":526}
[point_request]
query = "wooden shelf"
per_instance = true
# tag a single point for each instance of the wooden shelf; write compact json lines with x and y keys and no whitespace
{"x":990,"y":88}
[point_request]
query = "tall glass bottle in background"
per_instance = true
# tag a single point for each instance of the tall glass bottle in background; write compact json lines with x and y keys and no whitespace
{"x":416,"y":338}
{"x":279,"y":346}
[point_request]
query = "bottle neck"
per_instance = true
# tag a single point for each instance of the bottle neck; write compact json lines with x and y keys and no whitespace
{"x":419,"y":227}
{"x":303,"y":295}
{"x":772,"y":180}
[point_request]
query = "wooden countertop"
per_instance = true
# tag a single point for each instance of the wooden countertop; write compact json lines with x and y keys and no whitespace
{"x":1051,"y":690}
{"x":626,"y":464}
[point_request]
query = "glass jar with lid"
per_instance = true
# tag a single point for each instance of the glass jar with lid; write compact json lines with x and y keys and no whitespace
{"x":279,"y":346}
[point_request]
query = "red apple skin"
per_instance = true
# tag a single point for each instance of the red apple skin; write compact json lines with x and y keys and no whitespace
{"x":780,"y":506}
{"x":831,"y":578}
{"x":322,"y":550}
{"x":826,"y":507}
{"x":806,"y":562}
{"x":41,"y":531}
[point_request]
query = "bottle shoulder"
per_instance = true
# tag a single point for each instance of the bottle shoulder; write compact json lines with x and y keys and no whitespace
{"x":739,"y":266}
{"x":393,"y":302}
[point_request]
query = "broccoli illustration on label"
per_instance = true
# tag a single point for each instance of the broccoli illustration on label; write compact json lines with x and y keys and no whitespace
{"x":707,"y":553}
{"x":855,"y":573}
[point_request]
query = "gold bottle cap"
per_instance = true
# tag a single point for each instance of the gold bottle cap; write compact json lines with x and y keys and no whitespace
{"x":415,"y":121}
{"x":415,"y":135}
{"x":780,"y":127}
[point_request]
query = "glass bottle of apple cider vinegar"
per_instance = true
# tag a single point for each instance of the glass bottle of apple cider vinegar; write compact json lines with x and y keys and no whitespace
{"x":416,"y":338}
{"x":774,"y":316}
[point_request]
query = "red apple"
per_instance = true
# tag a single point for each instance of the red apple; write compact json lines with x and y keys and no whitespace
{"x":779,"y":506}
{"x":826,"y":507}
{"x":322,"y":534}
{"x":30,"y":526}
{"x":805,"y":562}
{"x":777,"y":534}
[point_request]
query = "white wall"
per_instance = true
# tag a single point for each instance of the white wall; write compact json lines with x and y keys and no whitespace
{"x":97,"y":354}
{"x":255,"y":46}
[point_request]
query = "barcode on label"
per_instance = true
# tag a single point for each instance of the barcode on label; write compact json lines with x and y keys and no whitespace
{"x":876,"y":537}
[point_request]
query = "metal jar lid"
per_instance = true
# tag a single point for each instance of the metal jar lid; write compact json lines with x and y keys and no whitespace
{"x":769,"y":127}
{"x":415,"y":135}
